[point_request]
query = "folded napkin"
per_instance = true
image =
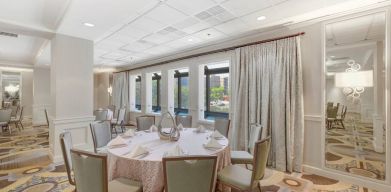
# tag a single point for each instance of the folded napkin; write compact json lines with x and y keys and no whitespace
{"x":175,"y":151}
{"x":216,"y":134}
{"x":153,"y":128}
{"x":118,"y":141}
{"x":213,"y":143}
{"x":130,"y":133}
{"x":137,"y":151}
{"x":200,"y":129}
{"x":180,"y":126}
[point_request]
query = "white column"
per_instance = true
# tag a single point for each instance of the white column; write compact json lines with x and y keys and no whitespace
{"x":71,"y":78}
{"x":41,"y":99}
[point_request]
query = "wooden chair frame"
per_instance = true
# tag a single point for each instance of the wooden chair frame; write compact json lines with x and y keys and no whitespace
{"x":166,"y":159}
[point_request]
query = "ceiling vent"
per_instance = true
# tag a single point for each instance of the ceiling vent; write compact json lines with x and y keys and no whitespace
{"x":2,"y":33}
{"x":215,"y":15}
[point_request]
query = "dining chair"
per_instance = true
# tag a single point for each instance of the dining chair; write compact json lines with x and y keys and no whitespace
{"x":5,"y":117}
{"x":112,"y":108}
{"x":341,"y":118}
{"x":222,"y":125}
{"x":119,"y":121}
{"x":243,"y":179}
{"x":66,"y":145}
{"x":145,"y":122}
{"x":190,"y":173}
{"x":100,"y":115}
{"x":101,"y":135}
{"x":15,"y":110}
{"x":18,"y":119}
{"x":185,"y":120}
{"x":90,"y":172}
{"x":246,"y":157}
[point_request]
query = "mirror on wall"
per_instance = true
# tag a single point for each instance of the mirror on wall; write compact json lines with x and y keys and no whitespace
{"x":11,"y":88}
{"x":355,"y":106}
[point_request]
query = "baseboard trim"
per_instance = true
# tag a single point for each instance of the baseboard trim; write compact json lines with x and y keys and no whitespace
{"x":383,"y":187}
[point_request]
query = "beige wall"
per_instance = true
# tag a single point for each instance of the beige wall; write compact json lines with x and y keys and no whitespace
{"x":27,"y":93}
{"x":101,"y":96}
{"x":41,"y":100}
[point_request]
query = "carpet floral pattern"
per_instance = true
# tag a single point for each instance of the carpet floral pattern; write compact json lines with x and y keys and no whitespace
{"x":26,"y":166}
{"x":351,"y":150}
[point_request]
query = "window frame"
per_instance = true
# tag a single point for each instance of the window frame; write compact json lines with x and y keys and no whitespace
{"x":157,"y":108}
{"x":208,"y":73}
{"x":178,"y":76}
{"x":138,"y":106}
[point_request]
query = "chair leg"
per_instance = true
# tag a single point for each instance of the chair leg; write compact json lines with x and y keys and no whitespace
{"x":17,"y":126}
{"x":259,"y":187}
{"x":342,"y":124}
{"x":9,"y":129}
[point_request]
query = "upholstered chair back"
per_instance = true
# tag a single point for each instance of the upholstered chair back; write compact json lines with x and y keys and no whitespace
{"x":255,"y":135}
{"x":100,"y":115}
{"x":66,"y":146}
{"x":121,"y":116}
{"x":261,"y":154}
{"x":222,"y":125}
{"x":5,"y":115}
{"x":185,"y":120}
{"x":101,"y":133}
{"x":190,"y":174}
{"x":90,"y":171}
{"x":145,"y":122}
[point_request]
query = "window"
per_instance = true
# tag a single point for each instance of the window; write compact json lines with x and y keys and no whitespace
{"x":138,"y":93}
{"x":181,"y":92}
{"x":216,"y":81}
{"x":156,"y":90}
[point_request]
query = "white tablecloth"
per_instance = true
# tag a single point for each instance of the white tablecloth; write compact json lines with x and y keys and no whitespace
{"x":149,"y":169}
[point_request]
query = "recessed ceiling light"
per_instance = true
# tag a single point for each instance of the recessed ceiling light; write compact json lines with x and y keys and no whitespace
{"x":190,"y":39}
{"x":260,"y":18}
{"x":88,"y":24}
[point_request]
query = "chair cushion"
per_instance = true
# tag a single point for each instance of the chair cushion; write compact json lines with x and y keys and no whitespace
{"x":3,"y":123}
{"x":124,"y":185}
{"x":241,"y":157}
{"x":236,"y":176}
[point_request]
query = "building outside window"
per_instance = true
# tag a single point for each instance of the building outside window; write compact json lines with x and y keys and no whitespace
{"x":156,"y":92}
{"x":181,"y":92}
{"x":138,"y":93}
{"x":216,"y":90}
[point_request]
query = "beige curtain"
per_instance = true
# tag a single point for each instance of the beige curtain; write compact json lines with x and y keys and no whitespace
{"x":120,"y":95}
{"x":267,"y":89}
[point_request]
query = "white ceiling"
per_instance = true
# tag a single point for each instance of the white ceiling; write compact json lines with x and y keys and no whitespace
{"x":355,"y":39}
{"x":132,"y":31}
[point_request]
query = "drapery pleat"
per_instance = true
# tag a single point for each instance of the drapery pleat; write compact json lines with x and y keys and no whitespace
{"x":267,"y":89}
{"x":121,"y":91}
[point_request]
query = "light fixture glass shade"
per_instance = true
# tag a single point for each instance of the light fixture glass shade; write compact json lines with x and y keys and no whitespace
{"x":354,"y":79}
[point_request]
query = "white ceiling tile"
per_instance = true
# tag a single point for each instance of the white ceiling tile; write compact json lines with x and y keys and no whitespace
{"x":196,"y":27}
{"x":186,"y":23}
{"x":115,"y":54}
{"x":244,"y":7}
{"x":158,"y":38}
{"x":192,"y":7}
{"x":233,"y":27}
{"x":159,"y":50}
{"x":132,"y":31}
{"x":148,"y":24}
{"x":210,"y":34}
{"x":109,"y":45}
{"x":138,"y":46}
{"x":166,"y":15}
{"x":122,"y":38}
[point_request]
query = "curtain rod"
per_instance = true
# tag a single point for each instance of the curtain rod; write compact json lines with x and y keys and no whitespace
{"x":214,"y":51}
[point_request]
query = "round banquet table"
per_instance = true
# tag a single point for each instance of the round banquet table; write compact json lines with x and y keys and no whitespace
{"x":149,"y":169}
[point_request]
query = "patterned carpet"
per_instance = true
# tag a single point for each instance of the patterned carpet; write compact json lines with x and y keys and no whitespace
{"x":351,"y":150}
{"x":25,"y":166}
